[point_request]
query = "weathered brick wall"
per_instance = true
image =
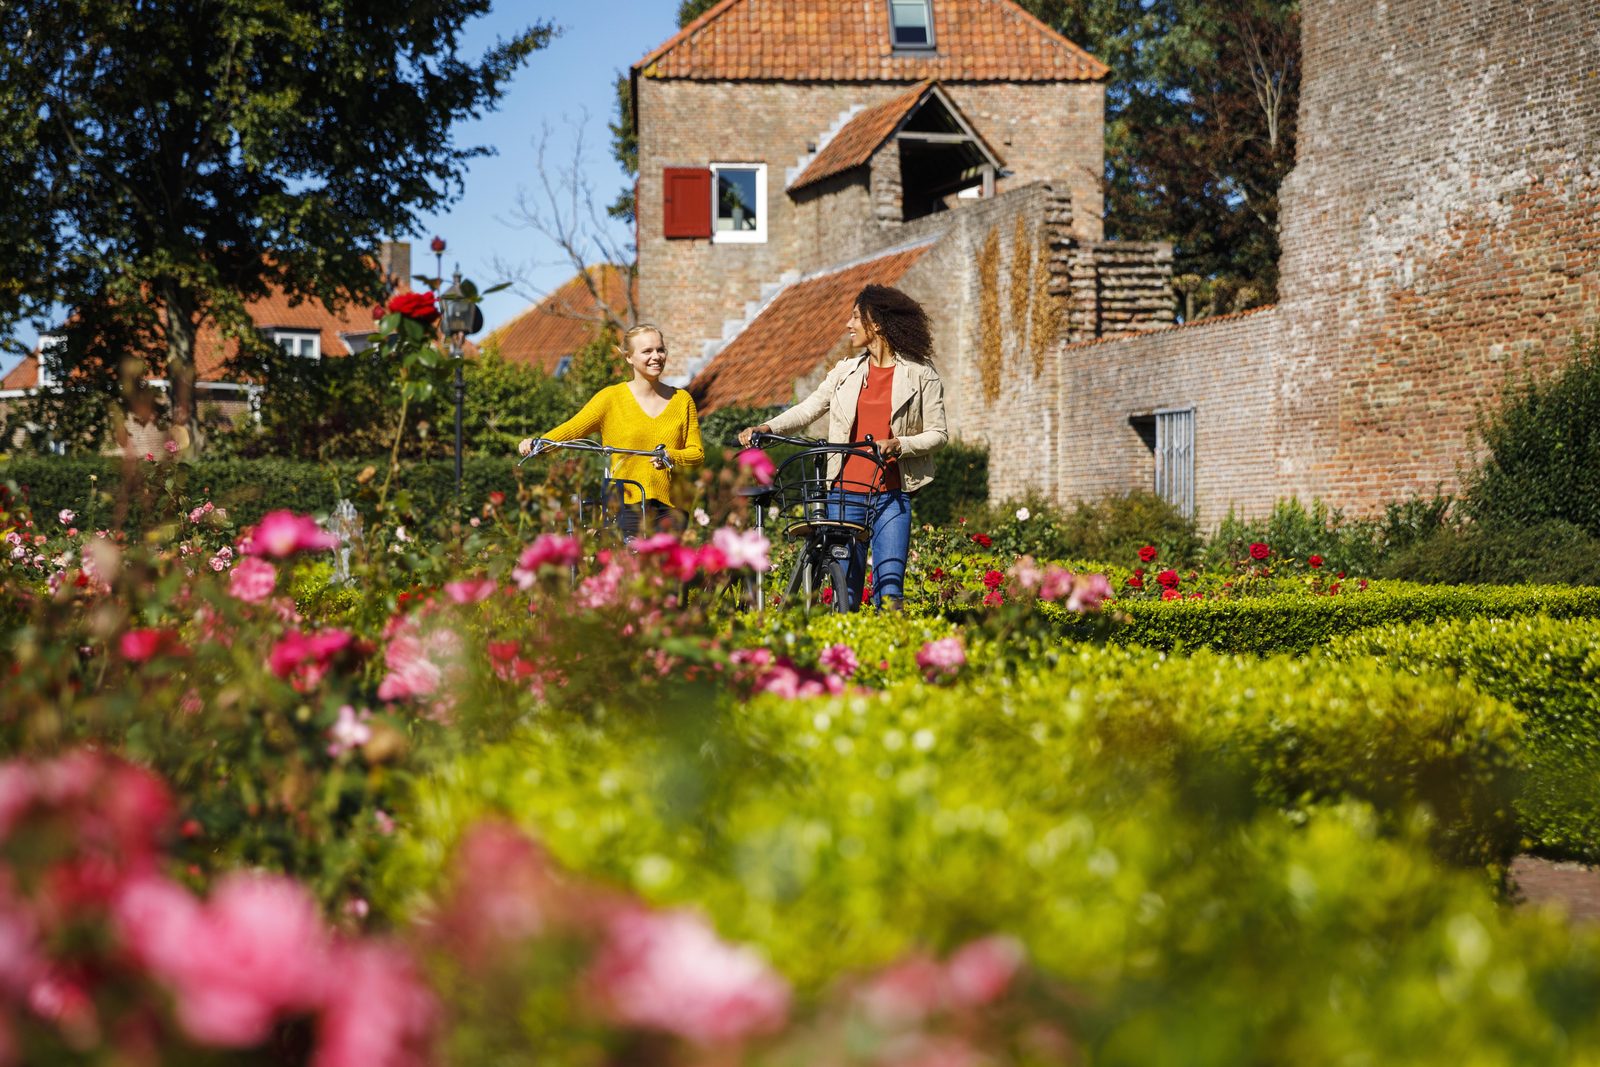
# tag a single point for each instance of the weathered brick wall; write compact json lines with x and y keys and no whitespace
{"x":1219,"y":367}
{"x":692,"y":286}
{"x":1441,"y":229}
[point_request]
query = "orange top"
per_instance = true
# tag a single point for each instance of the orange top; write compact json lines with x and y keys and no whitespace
{"x":873,"y":409}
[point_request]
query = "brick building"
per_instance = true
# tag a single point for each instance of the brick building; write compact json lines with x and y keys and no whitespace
{"x":789,"y":150}
{"x":1440,"y":232}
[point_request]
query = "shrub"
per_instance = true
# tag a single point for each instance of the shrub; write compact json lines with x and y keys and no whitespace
{"x":248,"y":488}
{"x":960,"y":483}
{"x":1120,"y":814}
{"x":1543,"y":448}
{"x":1547,"y":669}
{"x":1554,"y":552}
{"x":1296,"y":533}
{"x":1108,"y":530}
{"x":1295,"y":622}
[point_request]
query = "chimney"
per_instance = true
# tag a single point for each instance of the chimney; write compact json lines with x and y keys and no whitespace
{"x":396,"y":262}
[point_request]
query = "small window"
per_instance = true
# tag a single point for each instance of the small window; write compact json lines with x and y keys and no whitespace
{"x":52,"y":347}
{"x":911,"y":23}
{"x":563,"y":365}
{"x":307,"y":344}
{"x":356,"y":343}
{"x":1169,"y":435}
{"x":739,"y":202}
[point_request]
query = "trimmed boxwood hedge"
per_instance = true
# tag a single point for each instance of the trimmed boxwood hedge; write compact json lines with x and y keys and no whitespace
{"x":1297,"y":623}
{"x":1549,"y":670}
{"x":248,"y":488}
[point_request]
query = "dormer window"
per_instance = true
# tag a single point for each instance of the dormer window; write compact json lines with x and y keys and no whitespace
{"x":52,"y":347}
{"x":307,"y":344}
{"x":911,"y":24}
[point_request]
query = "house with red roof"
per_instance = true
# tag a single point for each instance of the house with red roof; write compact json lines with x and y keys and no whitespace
{"x":793,"y":151}
{"x":304,"y":329}
{"x":548,"y":334}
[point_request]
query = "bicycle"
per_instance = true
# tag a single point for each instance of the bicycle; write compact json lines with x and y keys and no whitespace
{"x":612,"y":490}
{"x":811,"y":505}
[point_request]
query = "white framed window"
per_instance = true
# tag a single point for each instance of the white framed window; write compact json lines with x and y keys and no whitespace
{"x":307,"y":344}
{"x":738,"y":203}
{"x":51,"y":346}
{"x":911,"y":23}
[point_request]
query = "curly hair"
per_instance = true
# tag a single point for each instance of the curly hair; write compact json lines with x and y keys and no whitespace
{"x":900,"y":320}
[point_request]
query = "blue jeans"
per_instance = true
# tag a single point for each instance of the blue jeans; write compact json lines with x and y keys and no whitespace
{"x":888,"y":516}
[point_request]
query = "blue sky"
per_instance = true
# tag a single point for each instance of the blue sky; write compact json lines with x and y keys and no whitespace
{"x":557,"y":86}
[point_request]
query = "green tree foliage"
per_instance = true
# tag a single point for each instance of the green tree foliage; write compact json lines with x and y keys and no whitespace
{"x":1200,"y":131}
{"x":1543,"y":448}
{"x":184,"y":158}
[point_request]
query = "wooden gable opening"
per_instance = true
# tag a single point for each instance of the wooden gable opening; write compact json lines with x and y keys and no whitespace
{"x":941,"y":157}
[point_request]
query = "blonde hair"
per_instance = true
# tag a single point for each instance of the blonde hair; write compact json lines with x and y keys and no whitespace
{"x":626,"y":348}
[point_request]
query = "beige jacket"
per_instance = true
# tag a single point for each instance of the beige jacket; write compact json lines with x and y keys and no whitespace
{"x":916,"y":413}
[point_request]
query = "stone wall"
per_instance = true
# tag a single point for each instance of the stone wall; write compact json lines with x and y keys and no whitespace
{"x":692,"y":287}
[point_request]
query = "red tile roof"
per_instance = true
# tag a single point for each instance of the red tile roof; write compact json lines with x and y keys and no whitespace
{"x":802,"y":327}
{"x":564,"y":321}
{"x":24,"y":375}
{"x":849,"y":40}
{"x":274,"y":311}
{"x":854,"y":144}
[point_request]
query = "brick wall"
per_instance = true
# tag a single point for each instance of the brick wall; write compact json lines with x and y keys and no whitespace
{"x":1440,"y":231}
{"x":693,"y":286}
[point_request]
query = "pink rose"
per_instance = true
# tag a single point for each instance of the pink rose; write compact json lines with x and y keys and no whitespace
{"x":840,"y":659}
{"x":470,"y":591}
{"x":283,"y":533}
{"x":669,"y":971}
{"x":743,"y":550}
{"x":942,"y":657}
{"x":981,"y":971}
{"x":253,"y":580}
{"x":140,"y":645}
{"x":1089,"y":593}
{"x":759,"y":464}
{"x":547,"y":550}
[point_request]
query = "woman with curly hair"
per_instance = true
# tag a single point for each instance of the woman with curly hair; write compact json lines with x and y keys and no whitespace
{"x":891,"y":392}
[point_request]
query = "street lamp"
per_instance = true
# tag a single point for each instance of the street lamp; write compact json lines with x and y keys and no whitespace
{"x":461,"y":316}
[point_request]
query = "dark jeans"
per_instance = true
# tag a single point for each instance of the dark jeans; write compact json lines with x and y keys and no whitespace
{"x":888,"y":516}
{"x":658,"y":518}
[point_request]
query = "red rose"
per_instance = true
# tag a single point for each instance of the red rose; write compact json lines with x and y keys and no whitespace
{"x":377,"y":312}
{"x":938,"y":574}
{"x":983,"y":539}
{"x":1138,"y":572}
{"x":1340,"y":575}
{"x":1147,"y":554}
{"x":827,"y":594}
{"x":421,"y":307}
{"x":437,"y":245}
{"x":1315,"y":561}
{"x":1362,"y":584}
{"x":1259,"y":550}
{"x":1171,"y":594}
{"x":1168,"y":578}
{"x":1135,"y":582}
{"x":992,"y":579}
{"x":1334,"y":588}
{"x":496,"y":498}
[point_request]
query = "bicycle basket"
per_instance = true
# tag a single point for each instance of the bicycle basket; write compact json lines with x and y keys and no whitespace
{"x":845,"y":505}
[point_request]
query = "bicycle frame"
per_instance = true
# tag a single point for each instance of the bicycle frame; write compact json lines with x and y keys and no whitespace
{"x":609,"y":484}
{"x":816,"y":502}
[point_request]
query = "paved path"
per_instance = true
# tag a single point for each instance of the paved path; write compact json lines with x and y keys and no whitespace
{"x":1570,"y":885}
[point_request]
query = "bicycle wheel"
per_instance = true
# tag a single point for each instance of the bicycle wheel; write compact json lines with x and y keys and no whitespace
{"x":842,"y":600}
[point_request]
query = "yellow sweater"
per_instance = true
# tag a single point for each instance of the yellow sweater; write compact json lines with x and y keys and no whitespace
{"x":616,"y":418}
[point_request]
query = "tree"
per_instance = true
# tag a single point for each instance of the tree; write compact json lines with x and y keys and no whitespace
{"x":1200,"y":131}
{"x":187,"y":157}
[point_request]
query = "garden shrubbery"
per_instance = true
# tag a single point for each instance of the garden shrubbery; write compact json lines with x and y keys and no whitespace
{"x":1546,"y":668}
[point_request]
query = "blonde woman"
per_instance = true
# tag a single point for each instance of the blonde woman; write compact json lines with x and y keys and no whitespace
{"x":642,"y":413}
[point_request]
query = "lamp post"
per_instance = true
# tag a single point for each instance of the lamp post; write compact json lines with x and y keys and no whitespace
{"x":461,"y":316}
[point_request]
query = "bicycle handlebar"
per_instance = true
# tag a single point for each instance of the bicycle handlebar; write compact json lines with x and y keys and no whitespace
{"x":583,"y":444}
{"x":764,"y":440}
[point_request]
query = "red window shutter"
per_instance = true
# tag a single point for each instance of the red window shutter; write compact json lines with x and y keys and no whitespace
{"x":686,"y":211}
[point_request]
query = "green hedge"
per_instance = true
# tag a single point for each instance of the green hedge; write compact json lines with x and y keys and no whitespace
{"x":1168,"y":836}
{"x":1297,"y":623}
{"x":960,"y":481}
{"x":248,"y":488}
{"x":1549,"y":670}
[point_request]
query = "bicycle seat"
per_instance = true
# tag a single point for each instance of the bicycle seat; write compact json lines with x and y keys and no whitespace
{"x":756,"y":490}
{"x":804,"y":528}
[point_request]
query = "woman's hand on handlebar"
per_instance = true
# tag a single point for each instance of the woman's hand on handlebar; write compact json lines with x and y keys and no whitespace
{"x":748,"y":434}
{"x":530,"y":446}
{"x":889,"y":449}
